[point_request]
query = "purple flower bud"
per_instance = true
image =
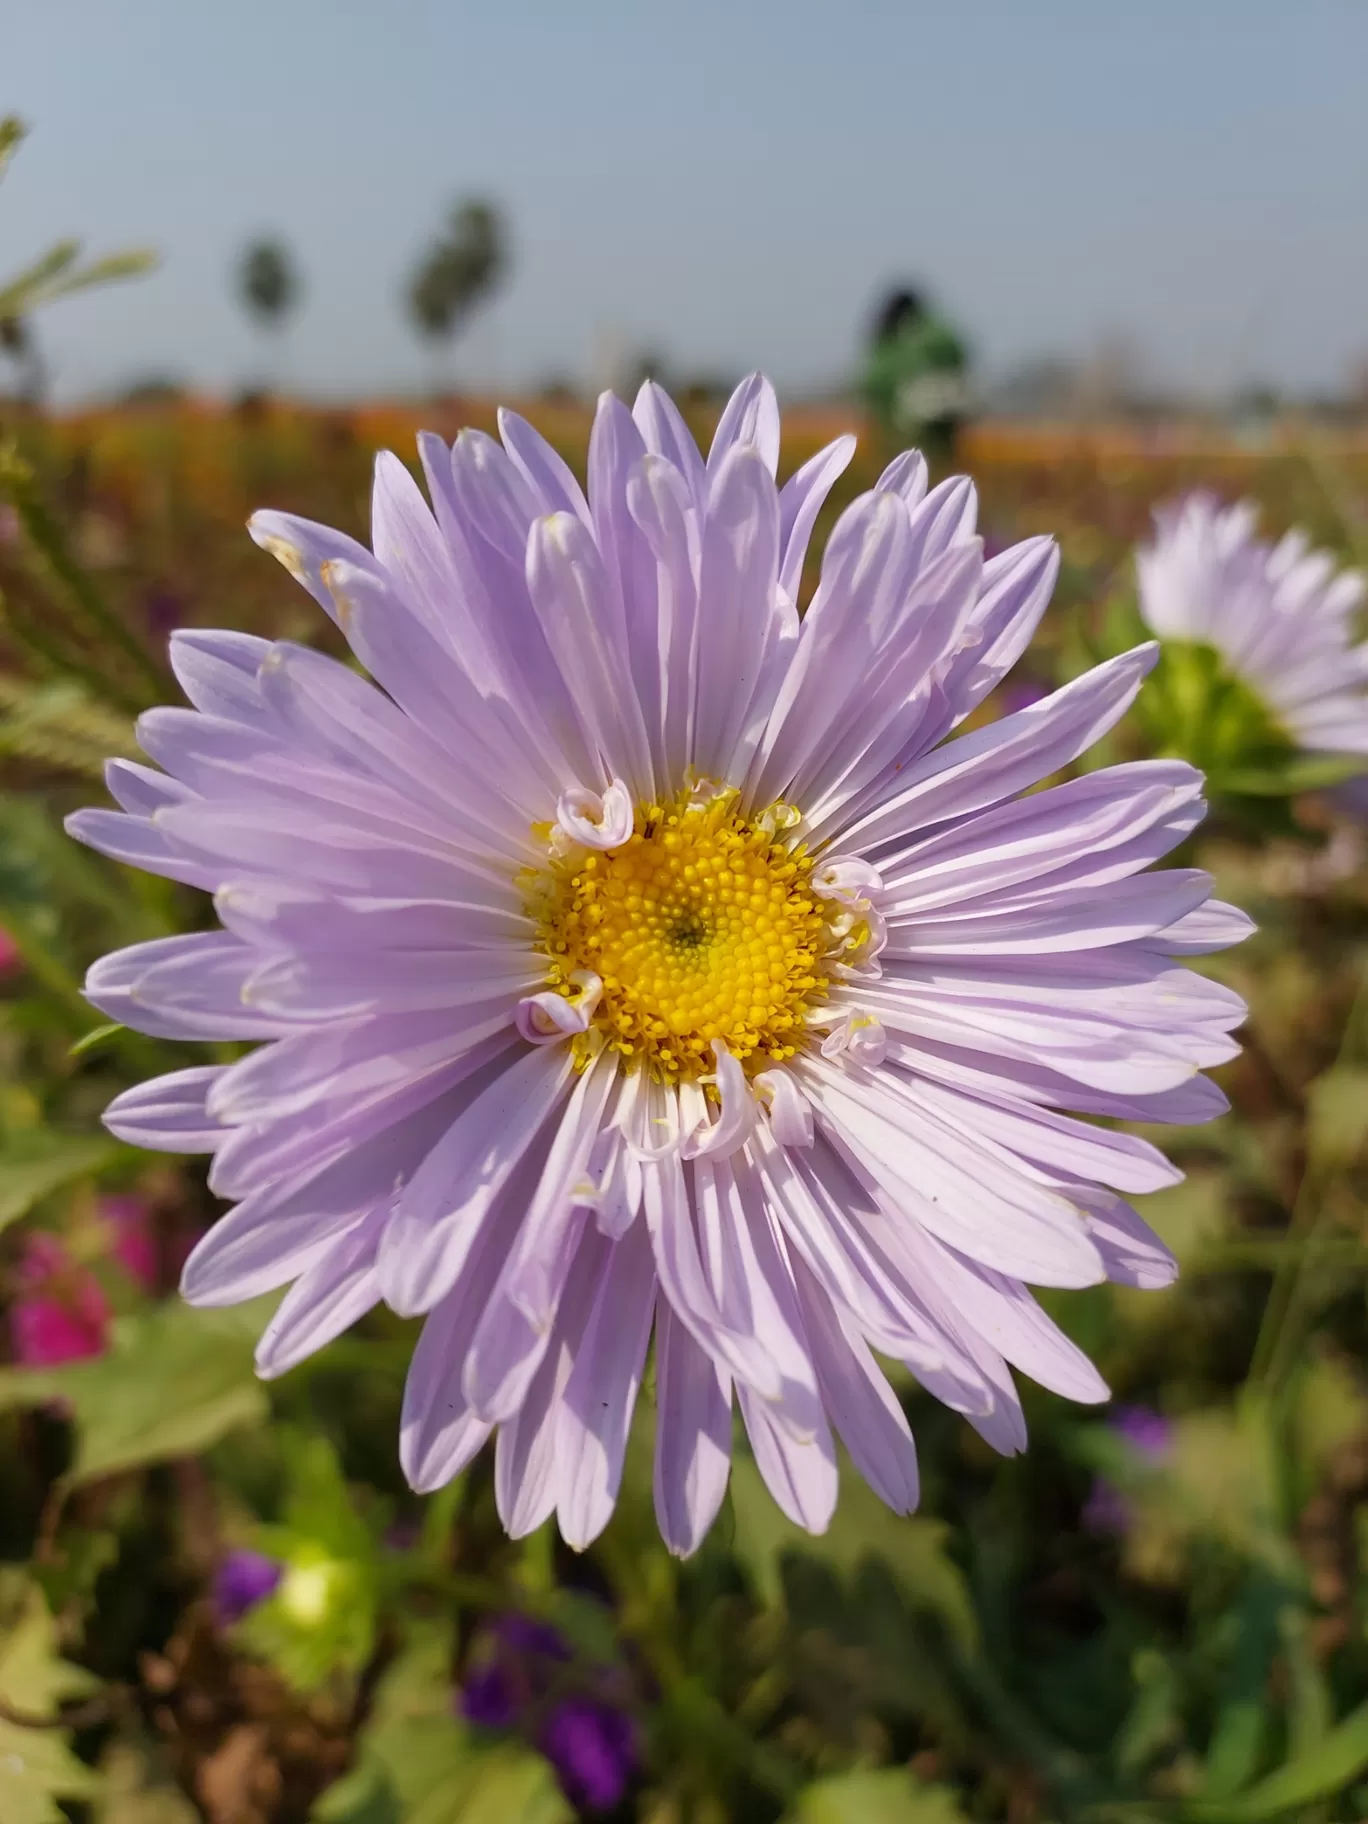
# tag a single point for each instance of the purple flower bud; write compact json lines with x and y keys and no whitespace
{"x":244,"y":1579}
{"x":489,"y":1699}
{"x":1106,"y":1509}
{"x":1148,"y":1432}
{"x":1150,"y":1436}
{"x":517,"y":1682}
{"x":529,"y":1639}
{"x":593,"y":1750}
{"x":165,"y":611}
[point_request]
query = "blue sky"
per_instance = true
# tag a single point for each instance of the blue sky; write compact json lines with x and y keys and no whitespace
{"x":726,"y":181}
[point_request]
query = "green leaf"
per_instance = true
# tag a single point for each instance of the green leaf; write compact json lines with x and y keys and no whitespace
{"x":96,"y":1037}
{"x":32,"y":1165}
{"x":68,"y":1576}
{"x":11,"y":132}
{"x":411,"y":1745}
{"x":1331,"y":1409}
{"x":61,"y":725}
{"x":139,"y":1791}
{"x":1299,"y":773}
{"x":1337,"y":1115}
{"x":37,"y":1766}
{"x":172,"y":1383}
{"x":321,"y":1619}
{"x":1192,"y":1215}
{"x":417,"y":1764}
{"x":1242,"y":1718}
{"x":51,"y":277}
{"x":1153,"y":1718}
{"x":504,"y":1785}
{"x":912,"y":1547}
{"x":22,"y":292}
{"x":1218,"y":1480}
{"x":1329,"y":1767}
{"x":888,"y":1795}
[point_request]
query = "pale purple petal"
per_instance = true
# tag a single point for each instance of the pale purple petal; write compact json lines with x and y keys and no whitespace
{"x":169,"y":1114}
{"x":449,"y":1109}
{"x":693,"y":1435}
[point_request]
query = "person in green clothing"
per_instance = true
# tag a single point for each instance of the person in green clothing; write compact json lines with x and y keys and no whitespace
{"x":915,"y":381}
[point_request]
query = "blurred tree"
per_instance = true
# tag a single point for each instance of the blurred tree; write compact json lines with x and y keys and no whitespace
{"x":57,"y":274}
{"x":269,"y":283}
{"x":915,"y":379}
{"x":460,"y":268}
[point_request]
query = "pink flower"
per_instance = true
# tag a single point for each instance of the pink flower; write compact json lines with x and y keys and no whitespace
{"x":10,"y":955}
{"x":62,"y":1312}
{"x":134,"y":1246}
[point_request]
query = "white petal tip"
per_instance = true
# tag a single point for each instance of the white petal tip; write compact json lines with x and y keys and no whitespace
{"x":594,"y":821}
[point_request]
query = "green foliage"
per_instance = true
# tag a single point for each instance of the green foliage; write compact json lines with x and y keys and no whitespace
{"x":36,"y":1162}
{"x":913,"y":1549}
{"x":887,"y":1795}
{"x":1328,"y":1768}
{"x":417,"y":1764}
{"x":60,"y":725}
{"x":58,"y":273}
{"x":125,"y":677}
{"x":1337,"y":1115}
{"x":321,"y":1621}
{"x":173,"y":1382}
{"x":37,"y":1766}
{"x":135,"y":1791}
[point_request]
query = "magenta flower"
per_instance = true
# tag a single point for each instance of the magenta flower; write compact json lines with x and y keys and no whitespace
{"x":61,"y":1312}
{"x":11,"y":958}
{"x":633,"y":957}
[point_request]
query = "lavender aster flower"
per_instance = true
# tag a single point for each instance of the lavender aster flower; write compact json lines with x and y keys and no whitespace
{"x":243,"y":1579}
{"x":633,"y":957}
{"x":1277,"y":617}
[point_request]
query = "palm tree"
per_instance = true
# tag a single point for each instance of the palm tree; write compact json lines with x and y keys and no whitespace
{"x":460,"y":268}
{"x":268,"y":282}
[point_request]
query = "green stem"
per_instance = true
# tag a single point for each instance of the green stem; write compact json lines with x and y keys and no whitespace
{"x":45,"y":536}
{"x":51,"y":656}
{"x":1276,"y":1344}
{"x":48,"y":970}
{"x":1066,"y":1772}
{"x":1226,"y":1256}
{"x":702,"y":1714}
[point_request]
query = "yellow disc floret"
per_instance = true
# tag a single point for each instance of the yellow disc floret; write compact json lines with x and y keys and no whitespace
{"x":703,"y":925}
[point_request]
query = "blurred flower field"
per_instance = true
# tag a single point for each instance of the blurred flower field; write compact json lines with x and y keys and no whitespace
{"x":218,"y":1598}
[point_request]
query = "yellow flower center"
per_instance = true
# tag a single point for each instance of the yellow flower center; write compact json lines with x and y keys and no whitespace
{"x":702,"y":926}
